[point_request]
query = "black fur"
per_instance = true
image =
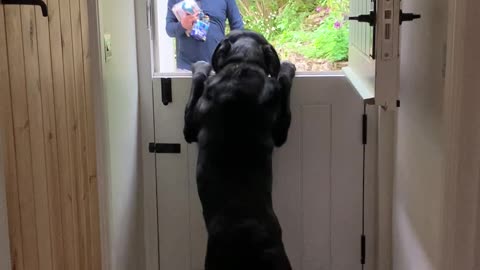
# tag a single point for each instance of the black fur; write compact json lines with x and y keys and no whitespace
{"x":237,"y":117}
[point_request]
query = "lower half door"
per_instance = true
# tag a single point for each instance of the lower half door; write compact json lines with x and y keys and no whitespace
{"x":317,"y":178}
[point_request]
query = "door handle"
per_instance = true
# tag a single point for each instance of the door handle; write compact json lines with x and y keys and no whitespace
{"x":408,"y":17}
{"x":164,"y":148}
{"x":370,"y":18}
{"x":166,"y":91}
{"x":40,"y":3}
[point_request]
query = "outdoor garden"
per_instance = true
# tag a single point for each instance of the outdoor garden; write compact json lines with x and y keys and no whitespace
{"x":313,"y":34}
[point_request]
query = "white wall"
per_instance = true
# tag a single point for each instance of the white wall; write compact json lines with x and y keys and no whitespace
{"x":419,"y":187}
{"x":121,"y":131}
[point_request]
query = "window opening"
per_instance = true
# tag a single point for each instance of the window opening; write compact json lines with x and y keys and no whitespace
{"x":313,"y":34}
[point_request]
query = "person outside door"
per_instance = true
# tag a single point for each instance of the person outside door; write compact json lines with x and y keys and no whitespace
{"x":190,"y":50}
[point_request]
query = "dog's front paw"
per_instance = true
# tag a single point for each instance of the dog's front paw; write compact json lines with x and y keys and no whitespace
{"x":288,"y":68}
{"x":201,"y":67}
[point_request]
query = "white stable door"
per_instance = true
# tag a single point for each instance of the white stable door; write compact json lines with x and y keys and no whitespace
{"x":323,"y":197}
{"x":317,"y":179}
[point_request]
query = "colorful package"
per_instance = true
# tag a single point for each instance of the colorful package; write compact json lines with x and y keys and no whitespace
{"x":200,"y":27}
{"x":183,"y":8}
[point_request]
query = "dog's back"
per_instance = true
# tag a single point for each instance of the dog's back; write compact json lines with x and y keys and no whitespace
{"x":235,"y":141}
{"x":235,"y":173}
{"x":237,"y":117}
{"x":237,"y":131}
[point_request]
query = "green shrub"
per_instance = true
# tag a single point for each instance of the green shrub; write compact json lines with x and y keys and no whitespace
{"x":329,"y":41}
{"x":260,"y":16}
{"x":291,"y":18}
{"x":313,"y":28}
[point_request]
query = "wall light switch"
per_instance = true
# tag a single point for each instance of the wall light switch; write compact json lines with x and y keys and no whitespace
{"x":107,"y":40}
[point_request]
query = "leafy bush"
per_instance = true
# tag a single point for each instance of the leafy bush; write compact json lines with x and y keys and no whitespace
{"x":260,"y":16}
{"x":329,"y":41}
{"x":316,"y":29}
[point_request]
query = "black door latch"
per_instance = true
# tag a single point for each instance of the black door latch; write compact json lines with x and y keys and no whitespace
{"x":370,"y":18}
{"x":166,"y":84}
{"x":408,"y":17}
{"x":164,"y":148}
{"x":40,"y":3}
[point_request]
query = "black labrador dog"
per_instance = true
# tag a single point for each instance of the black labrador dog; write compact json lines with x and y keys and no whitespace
{"x":237,"y":117}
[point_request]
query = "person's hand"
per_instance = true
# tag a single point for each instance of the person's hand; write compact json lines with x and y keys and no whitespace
{"x":188,"y":21}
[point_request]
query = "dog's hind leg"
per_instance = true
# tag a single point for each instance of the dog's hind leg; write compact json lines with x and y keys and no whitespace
{"x":284,"y":116}
{"x":200,"y":72}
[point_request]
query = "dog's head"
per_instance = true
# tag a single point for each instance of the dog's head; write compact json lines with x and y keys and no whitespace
{"x":242,"y":46}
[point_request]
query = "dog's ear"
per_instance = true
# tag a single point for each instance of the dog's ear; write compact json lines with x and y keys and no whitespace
{"x":271,"y":60}
{"x":220,"y":54}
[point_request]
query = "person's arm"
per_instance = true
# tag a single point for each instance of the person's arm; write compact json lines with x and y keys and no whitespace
{"x":174,"y":27}
{"x":233,"y":14}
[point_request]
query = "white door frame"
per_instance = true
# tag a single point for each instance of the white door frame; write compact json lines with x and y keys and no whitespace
{"x":382,"y":170}
{"x":100,"y":113}
{"x":147,"y":132}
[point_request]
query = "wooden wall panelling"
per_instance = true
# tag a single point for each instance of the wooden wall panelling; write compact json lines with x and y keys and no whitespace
{"x":18,"y":91}
{"x":6,"y":126}
{"x":50,"y":138}
{"x":64,"y":164}
{"x":72,"y":122}
{"x":47,"y":121}
{"x":92,"y":186}
{"x":37,"y":154}
{"x":82,"y":203}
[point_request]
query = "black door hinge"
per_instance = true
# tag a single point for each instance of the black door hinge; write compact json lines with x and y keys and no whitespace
{"x":166,"y":90}
{"x":364,"y":129}
{"x":363,"y":249}
{"x":164,"y":148}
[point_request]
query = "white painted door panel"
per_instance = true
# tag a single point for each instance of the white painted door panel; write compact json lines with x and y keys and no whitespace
{"x":317,"y":179}
{"x":173,"y":185}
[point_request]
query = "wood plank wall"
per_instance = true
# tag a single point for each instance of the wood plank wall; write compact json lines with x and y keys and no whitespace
{"x":47,"y":121}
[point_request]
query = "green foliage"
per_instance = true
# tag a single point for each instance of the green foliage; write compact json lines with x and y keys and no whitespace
{"x":328,"y":42}
{"x":260,"y":16}
{"x":313,"y":28}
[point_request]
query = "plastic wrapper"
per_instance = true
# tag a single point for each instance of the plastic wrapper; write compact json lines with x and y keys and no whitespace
{"x":183,"y":8}
{"x":200,"y":27}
